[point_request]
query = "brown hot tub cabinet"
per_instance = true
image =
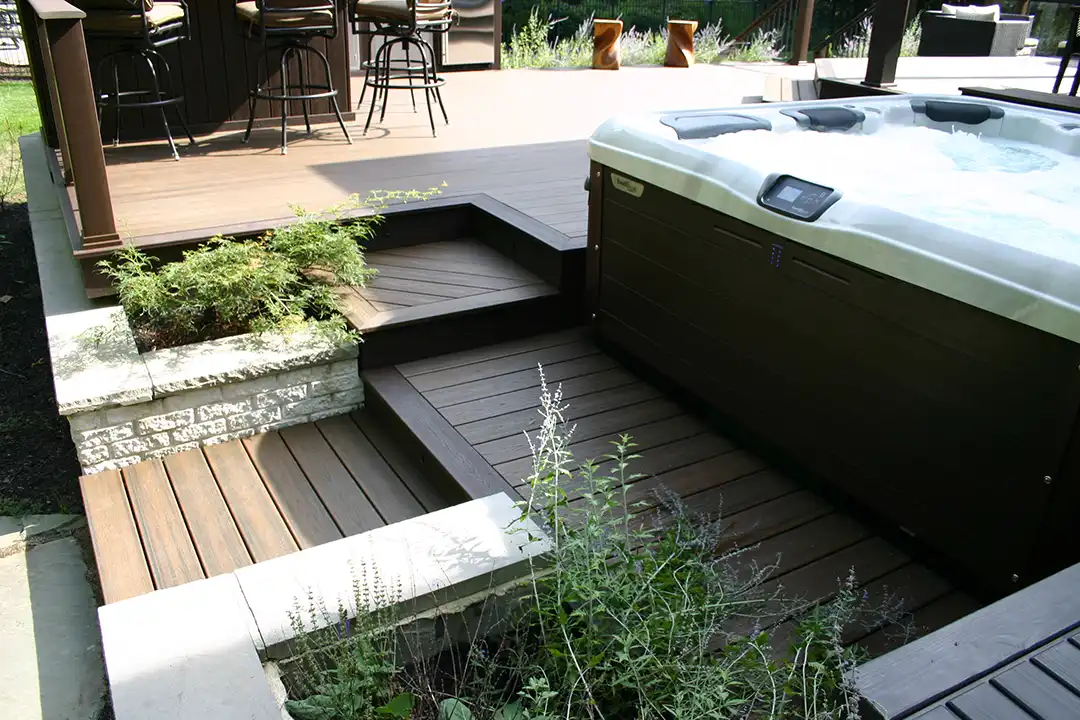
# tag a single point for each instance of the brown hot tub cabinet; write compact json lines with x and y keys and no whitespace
{"x":957,"y":425}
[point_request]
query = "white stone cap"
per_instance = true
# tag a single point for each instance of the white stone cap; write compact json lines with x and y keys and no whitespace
{"x":193,"y":652}
{"x":429,"y":560}
{"x":95,"y":362}
{"x":242,"y":357}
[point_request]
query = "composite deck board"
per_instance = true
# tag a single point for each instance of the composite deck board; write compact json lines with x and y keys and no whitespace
{"x":938,"y":613}
{"x":493,"y":352}
{"x":921,"y":587}
{"x":511,"y":424}
{"x":715,"y":470}
{"x":602,"y":424}
{"x":773,"y":521}
{"x":505,"y":385}
{"x":121,"y":561}
{"x":260,"y":524}
{"x":213,"y":531}
{"x":339,"y":490}
{"x":212,"y":510}
{"x":525,"y":399}
{"x":430,"y":496}
{"x":645,"y":437}
{"x":500,"y":366}
{"x":307,"y":518}
{"x":173,"y":560}
{"x":1038,"y":692}
{"x":807,"y":543}
{"x":466,"y":281}
{"x":1062,"y":661}
{"x":388,"y":494}
{"x":987,"y":702}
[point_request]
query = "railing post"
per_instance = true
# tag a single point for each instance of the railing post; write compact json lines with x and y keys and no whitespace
{"x":803,"y":21}
{"x":886,"y":36}
{"x":38,"y":75}
{"x":56,"y":123}
{"x":78,"y":111}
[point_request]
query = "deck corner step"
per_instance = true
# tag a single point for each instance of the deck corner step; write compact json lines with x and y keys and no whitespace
{"x":403,"y":411}
{"x":440,"y":297}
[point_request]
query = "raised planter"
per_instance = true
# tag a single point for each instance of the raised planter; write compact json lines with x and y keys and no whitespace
{"x":124,"y":407}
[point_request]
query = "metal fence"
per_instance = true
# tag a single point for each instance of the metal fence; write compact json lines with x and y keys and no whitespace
{"x":734,"y":15}
{"x":14,"y":64}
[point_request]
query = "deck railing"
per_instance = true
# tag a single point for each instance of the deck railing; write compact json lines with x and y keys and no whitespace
{"x":853,"y":34}
{"x":791,"y":20}
{"x":65,"y":95}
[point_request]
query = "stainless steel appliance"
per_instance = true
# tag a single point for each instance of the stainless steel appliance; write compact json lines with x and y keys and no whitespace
{"x":472,"y":40}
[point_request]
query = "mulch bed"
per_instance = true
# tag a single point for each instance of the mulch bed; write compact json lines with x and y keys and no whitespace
{"x":38,"y":468}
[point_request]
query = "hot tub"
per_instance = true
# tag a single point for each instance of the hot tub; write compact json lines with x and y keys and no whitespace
{"x":884,"y":290}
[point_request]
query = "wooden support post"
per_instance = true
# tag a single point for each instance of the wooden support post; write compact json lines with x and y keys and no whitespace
{"x":78,"y":114}
{"x":890,"y":21}
{"x":680,"y":43}
{"x":52,"y":95}
{"x":38,"y":75}
{"x":606,"y":51}
{"x":801,"y":47}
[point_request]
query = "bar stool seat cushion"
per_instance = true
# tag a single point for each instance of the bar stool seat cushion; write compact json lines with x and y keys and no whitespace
{"x":126,"y":6}
{"x":248,"y":11}
{"x":112,"y":22}
{"x":401,"y":10}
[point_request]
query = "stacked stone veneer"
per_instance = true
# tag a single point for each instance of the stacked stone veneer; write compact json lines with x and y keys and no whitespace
{"x":120,"y":436}
{"x":124,"y":407}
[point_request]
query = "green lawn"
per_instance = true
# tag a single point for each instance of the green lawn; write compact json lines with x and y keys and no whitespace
{"x":18,"y":116}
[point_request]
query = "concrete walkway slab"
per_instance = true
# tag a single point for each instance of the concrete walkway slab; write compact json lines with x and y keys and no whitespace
{"x":51,"y":666}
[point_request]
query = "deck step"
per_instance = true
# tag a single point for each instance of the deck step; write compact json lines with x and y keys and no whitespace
{"x":438,"y":297}
{"x":404,"y":414}
{"x":211,"y":510}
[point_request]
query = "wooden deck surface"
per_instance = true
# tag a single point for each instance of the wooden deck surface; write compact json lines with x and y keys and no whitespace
{"x":208,"y":511}
{"x":946,"y":75}
{"x":490,"y":396}
{"x":518,"y":135}
{"x":419,"y":282}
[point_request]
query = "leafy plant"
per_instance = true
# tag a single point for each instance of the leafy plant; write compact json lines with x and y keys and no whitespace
{"x":345,"y":664}
{"x":281,"y":281}
{"x":764,"y":46}
{"x":529,"y":46}
{"x":640,"y":610}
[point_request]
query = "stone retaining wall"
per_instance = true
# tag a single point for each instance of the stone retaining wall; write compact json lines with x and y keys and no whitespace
{"x":124,"y":407}
{"x":124,"y":435}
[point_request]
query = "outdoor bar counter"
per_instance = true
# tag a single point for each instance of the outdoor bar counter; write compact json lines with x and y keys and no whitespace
{"x":215,"y":68}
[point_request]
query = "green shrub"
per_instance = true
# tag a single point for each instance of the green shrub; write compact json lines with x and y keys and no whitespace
{"x":764,"y":46}
{"x":281,"y":281}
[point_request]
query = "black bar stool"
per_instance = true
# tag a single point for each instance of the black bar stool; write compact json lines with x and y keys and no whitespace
{"x":1072,"y":49}
{"x":140,"y":29}
{"x":402,"y":24}
{"x":287,"y":26}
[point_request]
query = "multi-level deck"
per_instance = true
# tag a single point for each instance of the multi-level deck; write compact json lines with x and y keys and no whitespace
{"x":452,"y":427}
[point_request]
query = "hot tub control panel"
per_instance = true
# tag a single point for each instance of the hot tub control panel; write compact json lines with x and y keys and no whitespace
{"x":796,"y":198}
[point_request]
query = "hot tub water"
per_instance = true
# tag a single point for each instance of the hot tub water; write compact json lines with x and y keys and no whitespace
{"x":1008,"y":191}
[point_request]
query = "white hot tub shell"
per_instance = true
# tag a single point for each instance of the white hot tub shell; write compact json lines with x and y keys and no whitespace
{"x":890,"y":334}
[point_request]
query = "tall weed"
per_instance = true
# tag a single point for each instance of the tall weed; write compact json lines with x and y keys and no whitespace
{"x":641,"y":610}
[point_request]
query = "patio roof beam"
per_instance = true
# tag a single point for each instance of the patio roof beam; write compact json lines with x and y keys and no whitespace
{"x":73,"y":110}
{"x":886,"y":36}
